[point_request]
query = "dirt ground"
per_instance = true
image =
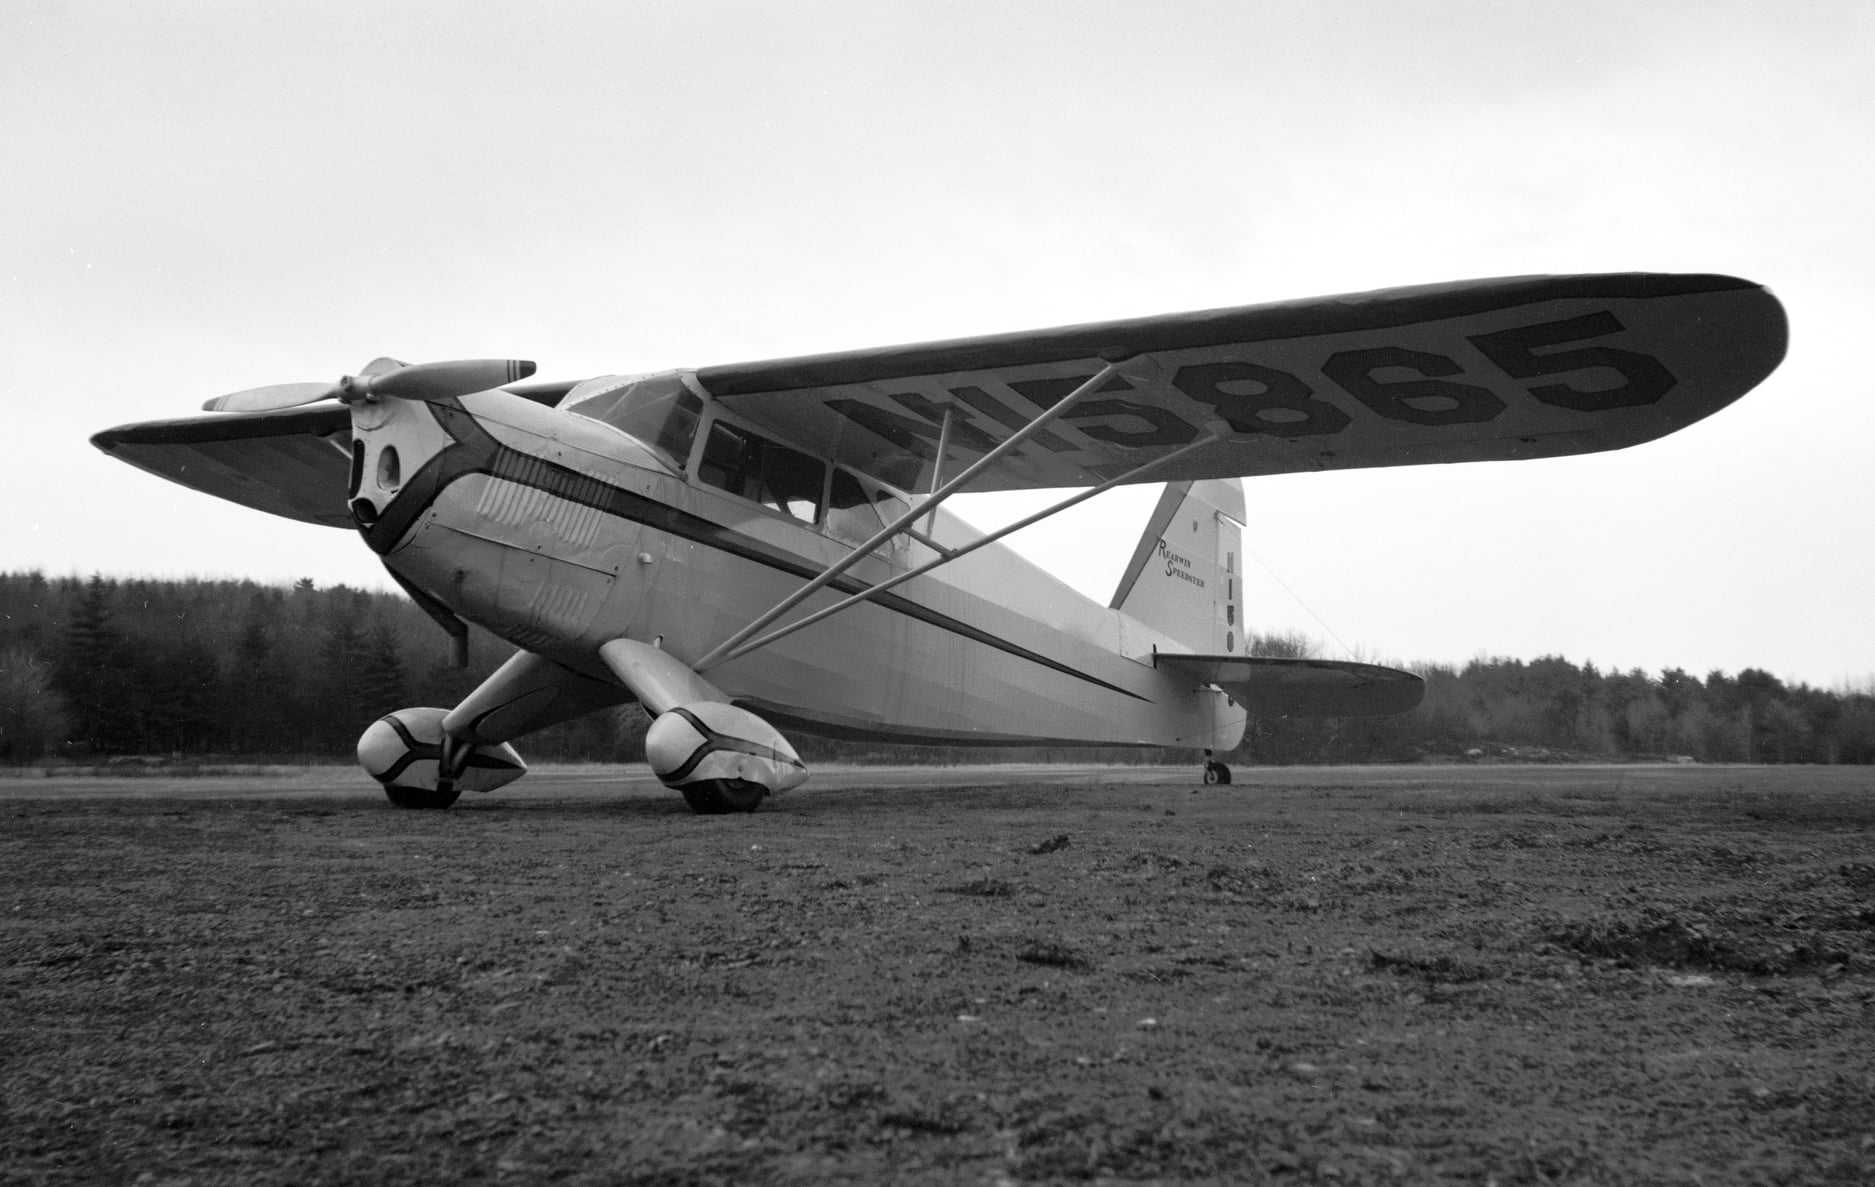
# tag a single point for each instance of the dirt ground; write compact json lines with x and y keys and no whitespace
{"x":1471,"y":975}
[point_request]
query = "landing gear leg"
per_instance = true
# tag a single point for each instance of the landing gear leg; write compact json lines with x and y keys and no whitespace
{"x":453,"y":758}
{"x":422,"y":765}
{"x":1215,"y":771}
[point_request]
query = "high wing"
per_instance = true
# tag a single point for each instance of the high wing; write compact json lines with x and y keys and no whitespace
{"x":1302,"y":687}
{"x":293,"y":463}
{"x":1479,"y":370}
{"x":1473,"y":371}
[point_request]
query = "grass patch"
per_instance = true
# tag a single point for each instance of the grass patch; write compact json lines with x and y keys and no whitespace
{"x":1439,"y":970}
{"x":1054,"y":956}
{"x":981,"y":888}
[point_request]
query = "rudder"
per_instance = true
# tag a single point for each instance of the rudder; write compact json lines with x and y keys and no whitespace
{"x":1184,"y":578}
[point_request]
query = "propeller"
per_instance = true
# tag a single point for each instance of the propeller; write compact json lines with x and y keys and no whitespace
{"x":383,"y":379}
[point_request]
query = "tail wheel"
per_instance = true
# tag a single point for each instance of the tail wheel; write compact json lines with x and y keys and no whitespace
{"x":719,"y":797}
{"x":420,"y":797}
{"x":1216,"y":772}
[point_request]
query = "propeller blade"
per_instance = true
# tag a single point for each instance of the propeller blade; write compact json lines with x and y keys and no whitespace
{"x":266,"y":399}
{"x":381,"y":365}
{"x":382,"y":379}
{"x":440,"y":381}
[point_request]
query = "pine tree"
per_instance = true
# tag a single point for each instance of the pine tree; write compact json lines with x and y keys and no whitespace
{"x":91,"y":673}
{"x":33,"y":716}
{"x":180,"y":685}
{"x":264,"y":705}
{"x":380,"y":681}
{"x":339,"y":715}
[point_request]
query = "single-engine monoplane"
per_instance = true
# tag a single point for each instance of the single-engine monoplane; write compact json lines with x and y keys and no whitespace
{"x":762,"y":546}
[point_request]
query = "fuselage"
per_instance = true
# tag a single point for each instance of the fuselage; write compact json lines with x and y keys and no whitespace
{"x":559,"y":532}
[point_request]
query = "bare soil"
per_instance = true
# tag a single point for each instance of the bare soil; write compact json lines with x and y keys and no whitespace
{"x":1471,"y":975}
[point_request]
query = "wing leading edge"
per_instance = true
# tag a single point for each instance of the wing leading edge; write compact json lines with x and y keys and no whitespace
{"x":294,"y":463}
{"x":1303,"y":687}
{"x":1472,"y":371}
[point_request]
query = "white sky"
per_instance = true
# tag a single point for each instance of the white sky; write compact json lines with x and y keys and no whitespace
{"x":200,"y":197}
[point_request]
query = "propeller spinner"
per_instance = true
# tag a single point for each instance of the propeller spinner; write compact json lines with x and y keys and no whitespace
{"x":384,"y":379}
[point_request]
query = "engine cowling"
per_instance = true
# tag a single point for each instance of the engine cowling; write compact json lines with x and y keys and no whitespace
{"x":404,"y":750}
{"x":722,"y":758}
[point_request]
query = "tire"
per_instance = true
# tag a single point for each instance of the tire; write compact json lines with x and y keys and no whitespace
{"x":720,"y":797}
{"x":420,"y":797}
{"x":1216,"y":772}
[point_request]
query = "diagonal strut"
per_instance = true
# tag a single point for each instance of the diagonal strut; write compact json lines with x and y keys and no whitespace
{"x":833,"y":572}
{"x":1133,"y":475}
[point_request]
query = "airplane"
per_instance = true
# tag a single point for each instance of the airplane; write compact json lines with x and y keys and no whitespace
{"x":748,"y":548}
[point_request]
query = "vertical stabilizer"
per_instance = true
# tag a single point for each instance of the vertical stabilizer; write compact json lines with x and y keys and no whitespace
{"x":1185,"y":578}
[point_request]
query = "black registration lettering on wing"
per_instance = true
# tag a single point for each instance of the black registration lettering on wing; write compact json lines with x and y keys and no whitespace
{"x":963,"y":434}
{"x":1114,"y":420}
{"x":1256,"y":399}
{"x":1118,"y":422}
{"x":915,"y":437}
{"x":1644,"y":378}
{"x":1392,"y":382}
{"x":1425,"y":401}
{"x":1009,"y":418}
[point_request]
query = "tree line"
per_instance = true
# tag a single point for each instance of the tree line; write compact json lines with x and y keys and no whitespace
{"x":100,"y":667}
{"x":1552,"y":708}
{"x":96,"y":668}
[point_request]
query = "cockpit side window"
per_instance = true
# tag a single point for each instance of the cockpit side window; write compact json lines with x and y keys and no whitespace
{"x":850,"y":513}
{"x":791,"y":481}
{"x":855,"y":512}
{"x":767,"y":472}
{"x":660,"y":411}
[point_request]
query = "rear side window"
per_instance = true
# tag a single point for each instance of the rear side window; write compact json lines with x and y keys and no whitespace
{"x":851,"y":514}
{"x":763,"y":471}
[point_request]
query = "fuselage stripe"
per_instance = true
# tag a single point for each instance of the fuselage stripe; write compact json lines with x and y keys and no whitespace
{"x":476,"y":451}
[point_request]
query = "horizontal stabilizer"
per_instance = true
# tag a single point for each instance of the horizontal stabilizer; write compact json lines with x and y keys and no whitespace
{"x":1265,"y":687}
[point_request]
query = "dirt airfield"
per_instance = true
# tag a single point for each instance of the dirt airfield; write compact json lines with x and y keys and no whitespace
{"x":975,"y":975}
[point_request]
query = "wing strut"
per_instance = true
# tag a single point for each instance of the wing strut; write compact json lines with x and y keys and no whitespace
{"x":937,"y":465}
{"x":946,"y":556}
{"x":733,"y":644}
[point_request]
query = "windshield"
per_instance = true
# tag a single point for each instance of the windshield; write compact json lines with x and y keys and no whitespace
{"x":656,"y":409}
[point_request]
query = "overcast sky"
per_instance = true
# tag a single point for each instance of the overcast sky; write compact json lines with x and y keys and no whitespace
{"x":201,"y":197}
